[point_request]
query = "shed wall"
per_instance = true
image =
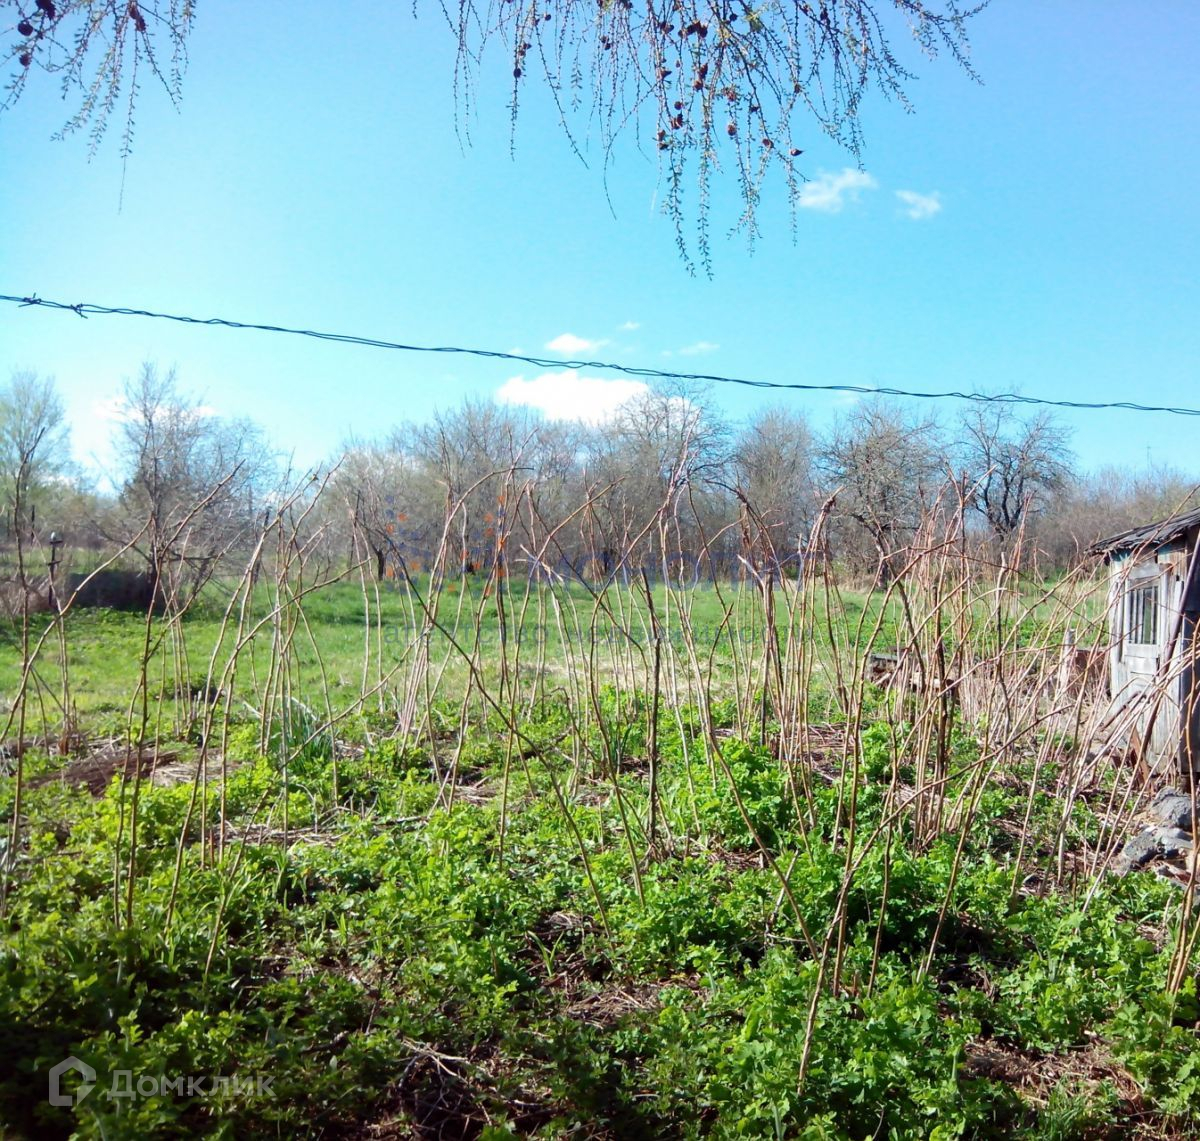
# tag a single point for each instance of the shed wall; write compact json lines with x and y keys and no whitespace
{"x":1153,"y":683}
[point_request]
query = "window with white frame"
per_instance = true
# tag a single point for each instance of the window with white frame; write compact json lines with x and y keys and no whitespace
{"x":1141,"y":614}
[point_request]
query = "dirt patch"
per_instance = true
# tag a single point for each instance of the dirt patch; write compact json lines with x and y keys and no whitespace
{"x":96,"y":767}
{"x":1080,"y":1072}
{"x":96,"y":770}
{"x":442,"y":1097}
{"x":68,"y":744}
{"x":739,"y":861}
{"x":608,"y":1005}
{"x":479,"y":793}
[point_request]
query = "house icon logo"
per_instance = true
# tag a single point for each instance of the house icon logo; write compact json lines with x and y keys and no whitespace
{"x":57,"y":1097}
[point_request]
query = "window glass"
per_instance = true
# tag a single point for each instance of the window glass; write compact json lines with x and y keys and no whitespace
{"x":1142,"y":615}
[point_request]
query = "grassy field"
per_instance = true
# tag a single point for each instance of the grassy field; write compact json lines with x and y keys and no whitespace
{"x":304,"y":871}
{"x":349,"y":633}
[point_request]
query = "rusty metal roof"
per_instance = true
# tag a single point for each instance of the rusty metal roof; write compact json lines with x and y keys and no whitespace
{"x":1150,"y":537}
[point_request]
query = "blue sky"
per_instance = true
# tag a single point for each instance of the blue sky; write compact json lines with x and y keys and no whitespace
{"x":312,"y":176}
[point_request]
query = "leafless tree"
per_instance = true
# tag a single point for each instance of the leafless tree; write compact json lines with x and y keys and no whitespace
{"x":462,"y":466}
{"x":773,"y":458}
{"x":33,"y":447}
{"x":656,"y":472}
{"x":191,"y":482}
{"x":884,"y":464}
{"x":473,"y":453}
{"x":391,"y":503}
{"x":1097,"y":504}
{"x":1012,"y":465}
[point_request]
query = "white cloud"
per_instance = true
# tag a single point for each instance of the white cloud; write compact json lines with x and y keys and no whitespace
{"x":629,"y":326}
{"x":111,"y":410}
{"x":918,"y":206}
{"x":830,"y":192}
{"x":568,"y":396}
{"x":116,"y":410}
{"x":698,"y":349}
{"x":570,"y":344}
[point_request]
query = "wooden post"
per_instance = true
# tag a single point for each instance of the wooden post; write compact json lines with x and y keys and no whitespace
{"x":1066,"y":665}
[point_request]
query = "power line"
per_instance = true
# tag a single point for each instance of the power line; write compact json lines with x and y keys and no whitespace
{"x":86,"y":309}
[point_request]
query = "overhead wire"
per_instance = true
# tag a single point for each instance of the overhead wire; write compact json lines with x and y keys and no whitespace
{"x":89,"y":309}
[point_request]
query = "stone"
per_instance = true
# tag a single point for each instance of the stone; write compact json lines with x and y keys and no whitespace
{"x":1153,"y":844}
{"x":1138,"y":852}
{"x":1174,"y":842}
{"x":1171,"y":809}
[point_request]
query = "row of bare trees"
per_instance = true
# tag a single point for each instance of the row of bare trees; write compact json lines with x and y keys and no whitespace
{"x":186,"y":487}
{"x":666,"y":473}
{"x":752,"y":491}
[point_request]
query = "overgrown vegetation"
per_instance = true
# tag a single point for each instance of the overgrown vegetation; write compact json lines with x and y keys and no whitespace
{"x":487,"y":849}
{"x":481,"y":961}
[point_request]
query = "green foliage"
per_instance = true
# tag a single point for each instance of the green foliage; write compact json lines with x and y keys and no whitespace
{"x":744,"y":800}
{"x":344,"y":912}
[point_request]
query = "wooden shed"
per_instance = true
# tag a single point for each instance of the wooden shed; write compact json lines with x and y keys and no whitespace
{"x":1153,"y":607}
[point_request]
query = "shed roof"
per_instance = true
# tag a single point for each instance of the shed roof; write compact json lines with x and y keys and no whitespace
{"x":1149,"y":536}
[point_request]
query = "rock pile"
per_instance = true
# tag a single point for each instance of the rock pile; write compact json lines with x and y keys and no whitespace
{"x":1167,"y":835}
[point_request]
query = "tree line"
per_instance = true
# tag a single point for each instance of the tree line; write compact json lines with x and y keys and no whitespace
{"x":666,"y":486}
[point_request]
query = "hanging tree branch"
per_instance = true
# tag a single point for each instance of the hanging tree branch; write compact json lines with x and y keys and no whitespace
{"x":715,"y":85}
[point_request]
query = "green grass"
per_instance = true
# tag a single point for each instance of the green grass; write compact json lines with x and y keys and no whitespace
{"x":105,"y":647}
